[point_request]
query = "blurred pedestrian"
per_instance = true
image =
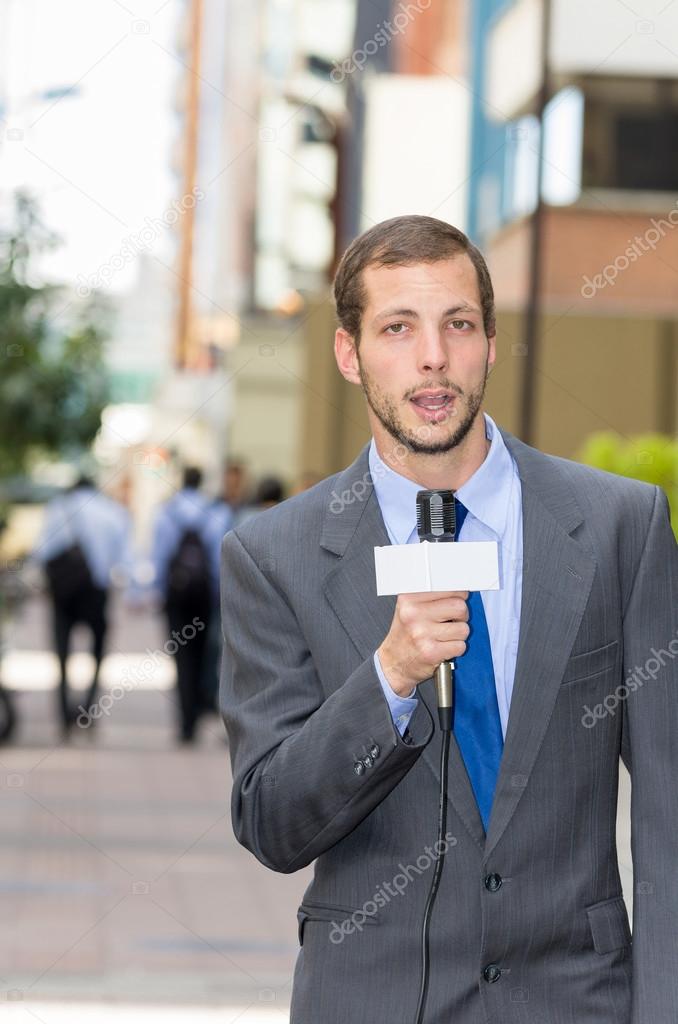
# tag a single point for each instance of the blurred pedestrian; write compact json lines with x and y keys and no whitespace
{"x":309,"y":478}
{"x":85,"y":536}
{"x":219,"y":521}
{"x":269,"y":492}
{"x":181,"y":559}
{"x":236,"y":491}
{"x":7,"y":714}
{"x":223,"y":516}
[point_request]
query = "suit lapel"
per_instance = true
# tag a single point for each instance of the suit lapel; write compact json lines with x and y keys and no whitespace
{"x":557,"y":578}
{"x":352,"y":531}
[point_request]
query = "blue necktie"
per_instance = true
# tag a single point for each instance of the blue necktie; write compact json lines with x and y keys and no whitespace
{"x":476,"y":724}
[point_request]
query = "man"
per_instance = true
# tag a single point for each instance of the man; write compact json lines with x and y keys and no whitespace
{"x":85,"y":537}
{"x":183,"y":578}
{"x":236,"y":486}
{"x":330,"y":706}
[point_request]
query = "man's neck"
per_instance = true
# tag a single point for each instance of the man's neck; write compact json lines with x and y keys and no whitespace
{"x":441,"y":471}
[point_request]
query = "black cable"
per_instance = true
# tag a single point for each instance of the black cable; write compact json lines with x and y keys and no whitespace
{"x":441,"y":849}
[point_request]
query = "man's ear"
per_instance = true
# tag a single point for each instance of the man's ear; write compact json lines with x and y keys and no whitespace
{"x":491,"y":351}
{"x":346,"y":354}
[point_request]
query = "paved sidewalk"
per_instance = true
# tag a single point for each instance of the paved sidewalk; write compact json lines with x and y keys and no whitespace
{"x":101,"y":1013}
{"x":122,"y":881}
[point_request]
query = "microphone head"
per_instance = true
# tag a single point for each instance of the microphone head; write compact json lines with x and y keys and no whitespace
{"x":436,"y":516}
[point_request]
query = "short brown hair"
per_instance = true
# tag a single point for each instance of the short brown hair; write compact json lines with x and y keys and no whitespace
{"x":398,"y":242}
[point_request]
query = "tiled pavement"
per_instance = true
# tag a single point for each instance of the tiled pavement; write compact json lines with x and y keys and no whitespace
{"x":124,"y":893}
{"x":121,"y":880}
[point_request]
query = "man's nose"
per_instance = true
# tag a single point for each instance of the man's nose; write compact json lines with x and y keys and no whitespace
{"x":432,"y":351}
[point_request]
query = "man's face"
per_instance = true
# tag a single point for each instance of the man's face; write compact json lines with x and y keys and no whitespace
{"x":234,"y":483}
{"x":423,"y":356}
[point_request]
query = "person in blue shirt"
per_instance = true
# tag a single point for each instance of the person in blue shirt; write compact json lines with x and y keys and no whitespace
{"x":183,"y":558}
{"x":86,"y":536}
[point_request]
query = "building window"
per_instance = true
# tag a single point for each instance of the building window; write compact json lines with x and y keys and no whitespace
{"x":631,"y":141}
{"x":647,"y":151}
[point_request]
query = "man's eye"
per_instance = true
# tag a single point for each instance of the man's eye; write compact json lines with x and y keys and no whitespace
{"x":459,"y":325}
{"x":392,"y":328}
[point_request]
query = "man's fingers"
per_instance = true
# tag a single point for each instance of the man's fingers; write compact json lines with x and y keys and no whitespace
{"x":431,"y":596}
{"x":452,"y":631}
{"x":452,"y":611}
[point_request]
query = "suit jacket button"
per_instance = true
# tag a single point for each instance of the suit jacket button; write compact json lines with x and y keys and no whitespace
{"x":375,"y":750}
{"x":368,"y":760}
{"x":492,"y":973}
{"x":358,"y":767}
{"x":493,"y":882}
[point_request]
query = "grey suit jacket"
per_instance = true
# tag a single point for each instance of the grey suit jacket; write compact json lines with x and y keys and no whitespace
{"x":321,"y":773}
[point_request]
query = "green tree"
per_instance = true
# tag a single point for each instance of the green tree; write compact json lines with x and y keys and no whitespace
{"x":52,"y":378}
{"x":649,"y":457}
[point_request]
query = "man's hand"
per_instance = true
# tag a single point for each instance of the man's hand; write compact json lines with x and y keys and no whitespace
{"x":426,"y":629}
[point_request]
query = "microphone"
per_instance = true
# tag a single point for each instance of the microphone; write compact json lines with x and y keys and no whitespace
{"x":437,"y":522}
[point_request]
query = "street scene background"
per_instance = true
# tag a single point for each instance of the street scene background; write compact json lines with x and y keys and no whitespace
{"x":178,"y":180}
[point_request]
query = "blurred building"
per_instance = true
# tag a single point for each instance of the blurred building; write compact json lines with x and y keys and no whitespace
{"x":293,"y":129}
{"x":608,"y":342}
{"x":403,"y":148}
{"x":141,"y":343}
{"x":256,"y":124}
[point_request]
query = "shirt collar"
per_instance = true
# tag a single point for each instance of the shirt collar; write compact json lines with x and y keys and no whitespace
{"x":485,"y":494}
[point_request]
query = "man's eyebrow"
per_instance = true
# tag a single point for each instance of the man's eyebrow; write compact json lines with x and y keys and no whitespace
{"x":413,"y":315}
{"x":385,"y":314}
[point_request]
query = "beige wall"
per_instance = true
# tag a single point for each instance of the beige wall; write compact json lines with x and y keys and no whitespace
{"x":267,"y":371}
{"x":334,"y":418}
{"x":593,"y":374}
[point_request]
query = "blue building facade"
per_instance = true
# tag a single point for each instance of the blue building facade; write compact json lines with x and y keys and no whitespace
{"x":489,"y":136}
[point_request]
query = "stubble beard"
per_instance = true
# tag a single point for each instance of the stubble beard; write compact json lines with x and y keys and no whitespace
{"x":420,"y":441}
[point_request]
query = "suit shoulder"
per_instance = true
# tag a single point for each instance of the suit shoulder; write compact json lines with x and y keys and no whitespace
{"x":591,"y":485}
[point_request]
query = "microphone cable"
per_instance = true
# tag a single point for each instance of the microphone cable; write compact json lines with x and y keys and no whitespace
{"x":441,"y":849}
{"x":436,"y":521}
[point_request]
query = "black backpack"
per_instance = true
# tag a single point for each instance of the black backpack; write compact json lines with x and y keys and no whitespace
{"x":68,"y":574}
{"x":188,"y":573}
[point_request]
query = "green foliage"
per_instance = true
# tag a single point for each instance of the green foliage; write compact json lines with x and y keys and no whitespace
{"x":649,"y":457}
{"x":52,"y":378}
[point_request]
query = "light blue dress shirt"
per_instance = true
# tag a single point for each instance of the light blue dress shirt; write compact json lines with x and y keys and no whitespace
{"x":188,"y":509}
{"x":494,"y":502}
{"x":219,"y":520}
{"x":99,"y":524}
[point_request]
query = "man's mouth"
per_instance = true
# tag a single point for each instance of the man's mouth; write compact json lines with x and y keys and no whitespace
{"x":433,"y":400}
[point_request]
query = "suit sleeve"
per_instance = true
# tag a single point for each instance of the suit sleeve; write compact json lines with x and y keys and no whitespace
{"x":651,"y":728}
{"x":297,"y":787}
